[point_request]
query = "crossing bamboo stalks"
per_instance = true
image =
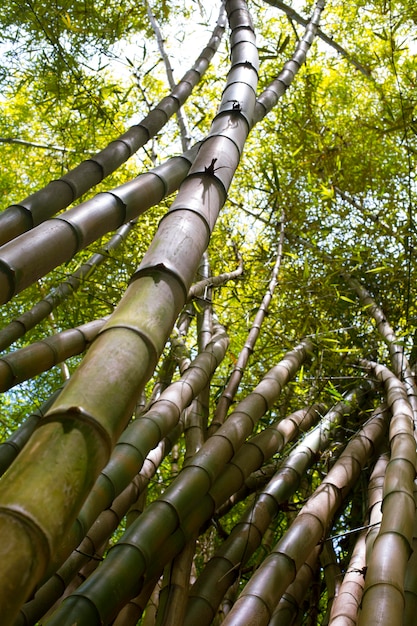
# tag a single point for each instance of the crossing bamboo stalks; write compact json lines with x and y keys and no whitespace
{"x":262,"y":593}
{"x":346,"y":605}
{"x":224,"y":567}
{"x":35,"y":253}
{"x":289,"y":607}
{"x":383,"y":597}
{"x":60,"y":193}
{"x":181,"y":503}
{"x":41,"y":310}
{"x":141,"y":436}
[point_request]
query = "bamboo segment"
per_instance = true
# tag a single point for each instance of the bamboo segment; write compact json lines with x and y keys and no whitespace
{"x":61,"y":193}
{"x":262,"y":593}
{"x":346,"y":605}
{"x":289,"y":607}
{"x":41,"y":356}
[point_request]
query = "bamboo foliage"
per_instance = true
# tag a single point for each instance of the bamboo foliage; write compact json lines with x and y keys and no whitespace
{"x":236,"y":376}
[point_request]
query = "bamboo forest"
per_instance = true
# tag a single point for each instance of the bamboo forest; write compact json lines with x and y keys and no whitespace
{"x":208,"y":325}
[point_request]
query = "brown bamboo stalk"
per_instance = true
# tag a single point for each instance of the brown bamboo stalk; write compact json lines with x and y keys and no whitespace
{"x":200,"y":288}
{"x":174,"y":593}
{"x":345,"y":608}
{"x":383,"y":597}
{"x":60,"y":193}
{"x":293,"y":15}
{"x":399,"y":360}
{"x":332,"y":572}
{"x":224,"y":567}
{"x":410,"y":582}
{"x":289,"y":607}
{"x":262,"y":593}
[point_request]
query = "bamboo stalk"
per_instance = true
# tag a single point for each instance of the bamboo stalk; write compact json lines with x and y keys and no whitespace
{"x":41,"y":356}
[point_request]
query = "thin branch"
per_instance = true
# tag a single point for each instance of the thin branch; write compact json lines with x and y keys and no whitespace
{"x":293,"y":15}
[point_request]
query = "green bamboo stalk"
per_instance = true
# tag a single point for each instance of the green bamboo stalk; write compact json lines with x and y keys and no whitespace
{"x":10,"y":448}
{"x":60,"y":193}
{"x":262,"y":593}
{"x":383,"y":597}
{"x":41,"y":356}
{"x":225,"y":565}
{"x":29,"y":319}
{"x":102,"y":529}
{"x":147,"y":600}
{"x":235,"y":377}
{"x":182,"y":502}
